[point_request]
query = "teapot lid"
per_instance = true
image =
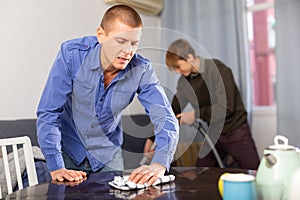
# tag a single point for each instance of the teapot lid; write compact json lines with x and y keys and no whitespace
{"x":281,"y":146}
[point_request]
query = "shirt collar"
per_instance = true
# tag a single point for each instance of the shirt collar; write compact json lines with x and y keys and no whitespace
{"x":202,"y":65}
{"x":94,"y":62}
{"x":201,"y":70}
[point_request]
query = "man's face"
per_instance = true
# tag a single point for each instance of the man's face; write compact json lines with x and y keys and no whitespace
{"x":118,"y":45}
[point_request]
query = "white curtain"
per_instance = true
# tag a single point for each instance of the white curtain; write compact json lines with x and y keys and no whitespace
{"x":216,"y":29}
{"x":288,"y":69}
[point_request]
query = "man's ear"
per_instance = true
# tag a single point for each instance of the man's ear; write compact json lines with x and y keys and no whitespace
{"x":190,"y":58}
{"x":100,"y":34}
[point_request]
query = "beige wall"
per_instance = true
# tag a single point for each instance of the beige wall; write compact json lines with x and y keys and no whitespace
{"x":30,"y":36}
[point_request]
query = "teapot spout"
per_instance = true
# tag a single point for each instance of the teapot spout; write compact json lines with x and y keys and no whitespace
{"x":270,"y":160}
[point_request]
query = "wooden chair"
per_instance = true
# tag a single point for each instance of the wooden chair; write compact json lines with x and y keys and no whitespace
{"x":15,"y":143}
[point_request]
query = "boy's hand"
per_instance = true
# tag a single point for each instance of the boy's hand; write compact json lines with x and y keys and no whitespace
{"x":186,"y":117}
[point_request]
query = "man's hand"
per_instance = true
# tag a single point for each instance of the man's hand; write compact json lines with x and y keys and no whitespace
{"x":149,"y":150}
{"x":186,"y":117}
{"x":69,"y":183}
{"x":147,"y":173}
{"x":66,"y":174}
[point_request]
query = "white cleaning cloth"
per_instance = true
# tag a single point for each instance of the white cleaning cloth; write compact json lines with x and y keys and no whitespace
{"x":122,"y":183}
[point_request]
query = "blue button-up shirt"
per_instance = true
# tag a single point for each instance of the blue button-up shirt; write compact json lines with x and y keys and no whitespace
{"x":77,"y":114}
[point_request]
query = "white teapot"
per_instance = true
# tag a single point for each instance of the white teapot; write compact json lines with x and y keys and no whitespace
{"x":294,"y":192}
{"x":276,"y":168}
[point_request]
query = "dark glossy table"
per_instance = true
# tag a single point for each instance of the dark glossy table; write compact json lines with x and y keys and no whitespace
{"x":191,"y":183}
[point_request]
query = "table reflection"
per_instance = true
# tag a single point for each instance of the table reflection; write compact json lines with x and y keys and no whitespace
{"x":190,"y":183}
{"x":97,"y":184}
{"x":149,"y":193}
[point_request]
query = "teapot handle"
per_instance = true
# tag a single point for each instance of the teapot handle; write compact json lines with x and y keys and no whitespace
{"x":277,"y":138}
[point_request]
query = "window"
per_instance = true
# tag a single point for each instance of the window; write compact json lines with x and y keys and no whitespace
{"x":261,"y":36}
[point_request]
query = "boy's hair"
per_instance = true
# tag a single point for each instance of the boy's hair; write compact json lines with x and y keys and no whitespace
{"x":122,"y":13}
{"x":178,"y":50}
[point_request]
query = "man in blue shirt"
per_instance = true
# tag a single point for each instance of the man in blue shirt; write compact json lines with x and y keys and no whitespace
{"x":91,"y":81}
